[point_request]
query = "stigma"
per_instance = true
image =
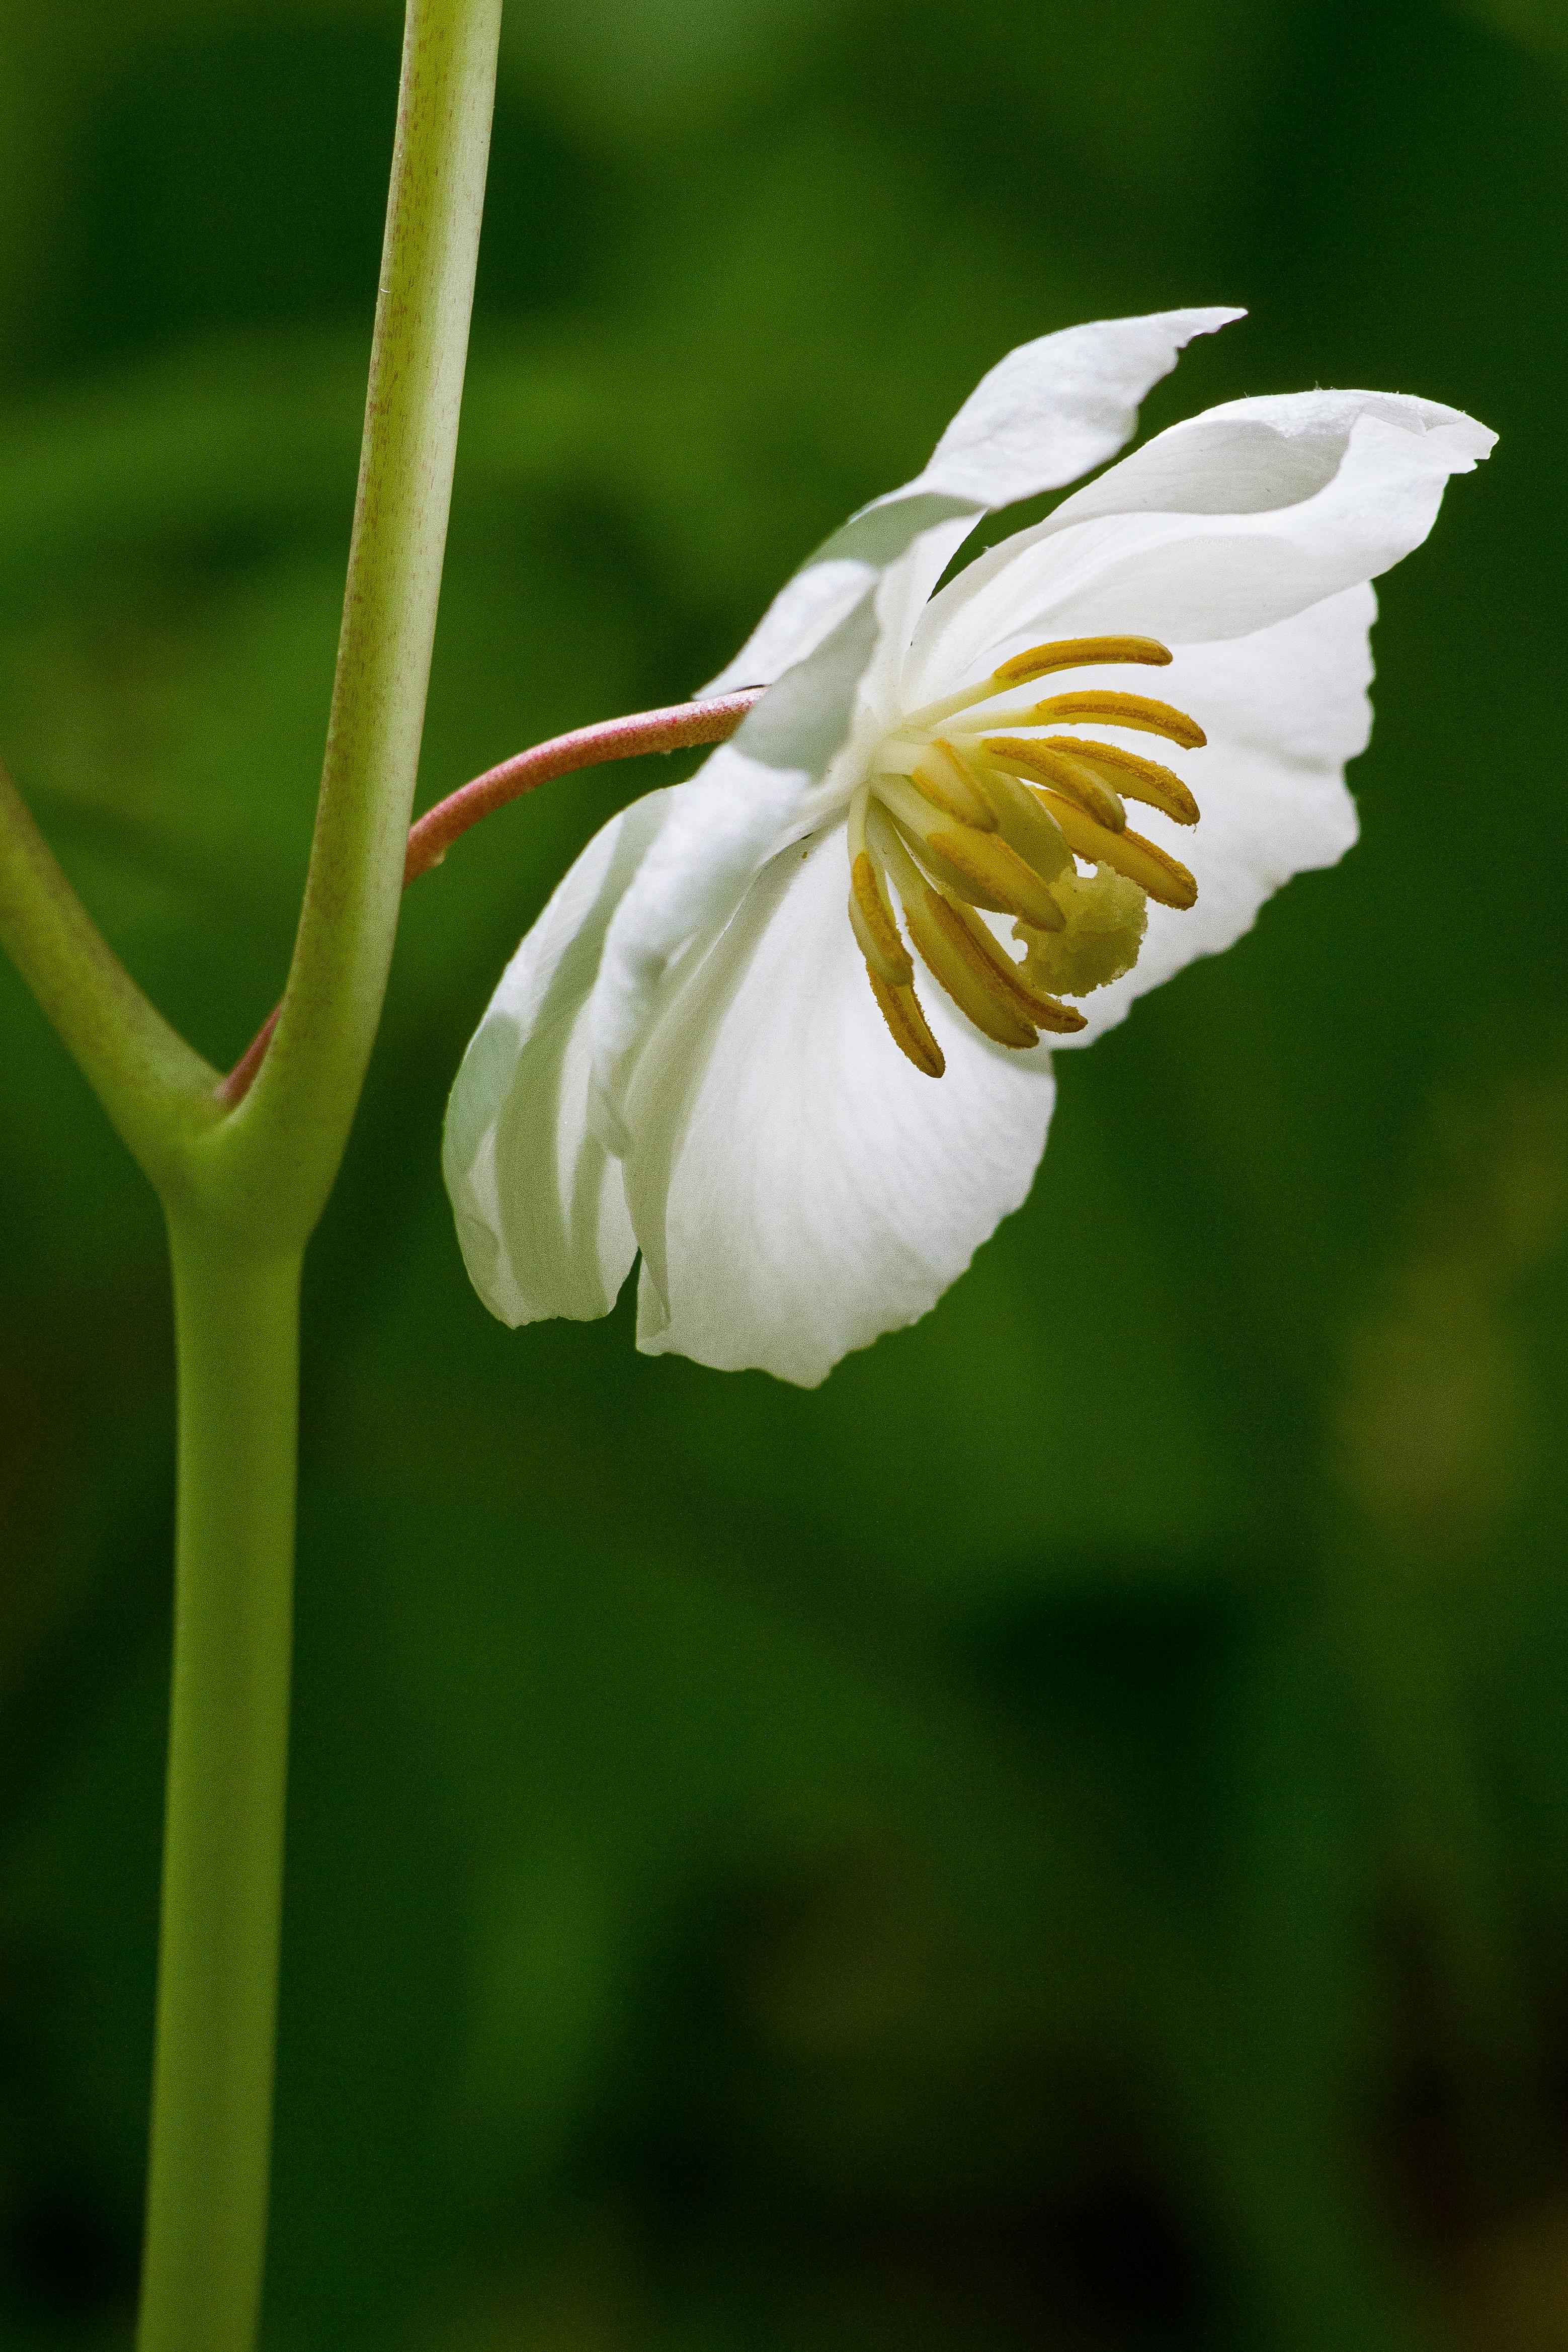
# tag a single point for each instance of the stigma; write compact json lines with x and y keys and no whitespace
{"x":962,"y":814}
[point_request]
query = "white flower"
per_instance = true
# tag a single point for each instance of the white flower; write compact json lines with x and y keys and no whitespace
{"x":762,"y":1032}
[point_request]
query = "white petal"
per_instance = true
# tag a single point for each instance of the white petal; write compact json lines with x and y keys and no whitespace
{"x":1218,"y":527}
{"x":1284,"y":711}
{"x":757,"y":792}
{"x":1054,"y":408}
{"x":540,"y":1208}
{"x":1248,"y":456}
{"x":798,"y":1188}
{"x":1042,"y":416}
{"x":906,"y":527}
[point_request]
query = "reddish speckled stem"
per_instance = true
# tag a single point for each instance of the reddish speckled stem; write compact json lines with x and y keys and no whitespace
{"x":674,"y":729}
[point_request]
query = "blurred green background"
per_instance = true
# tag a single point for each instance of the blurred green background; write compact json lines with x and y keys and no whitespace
{"x":1061,"y":1837}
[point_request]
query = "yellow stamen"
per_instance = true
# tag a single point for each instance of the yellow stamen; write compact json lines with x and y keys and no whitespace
{"x":976,"y":818}
{"x":1079,"y":653}
{"x":1137,"y":710}
{"x":947,"y":783}
{"x":1164,"y":877}
{"x":901,"y":1010}
{"x":968,"y":975}
{"x":876,"y":933}
{"x":948,"y":877}
{"x":979,"y":866}
{"x":1133,"y":777}
{"x":991,"y":866}
{"x":1022,"y":821}
{"x":967,"y":958}
{"x":1057,"y":767}
{"x":982,"y":950}
{"x":1069,"y":653}
{"x":978,"y":973}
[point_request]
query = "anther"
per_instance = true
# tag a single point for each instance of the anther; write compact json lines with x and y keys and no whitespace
{"x":1057,"y":767}
{"x":1137,"y":710}
{"x":979,"y":866}
{"x":989,"y":959}
{"x":1079,"y":653}
{"x":900,"y":1008}
{"x":1022,"y":821}
{"x":947,"y":783}
{"x":1068,"y":653}
{"x":1126,"y":773}
{"x":1164,"y":877}
{"x":970,"y":979}
{"x":876,"y":933}
{"x":993,"y":868}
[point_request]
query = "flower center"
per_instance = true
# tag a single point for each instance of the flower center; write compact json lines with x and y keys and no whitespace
{"x":956,"y":816}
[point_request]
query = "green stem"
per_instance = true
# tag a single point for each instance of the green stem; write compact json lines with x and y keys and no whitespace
{"x":243,"y":1186}
{"x":155,"y":1088}
{"x":280,"y":1150}
{"x":237,"y":1331}
{"x":242,"y":1199}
